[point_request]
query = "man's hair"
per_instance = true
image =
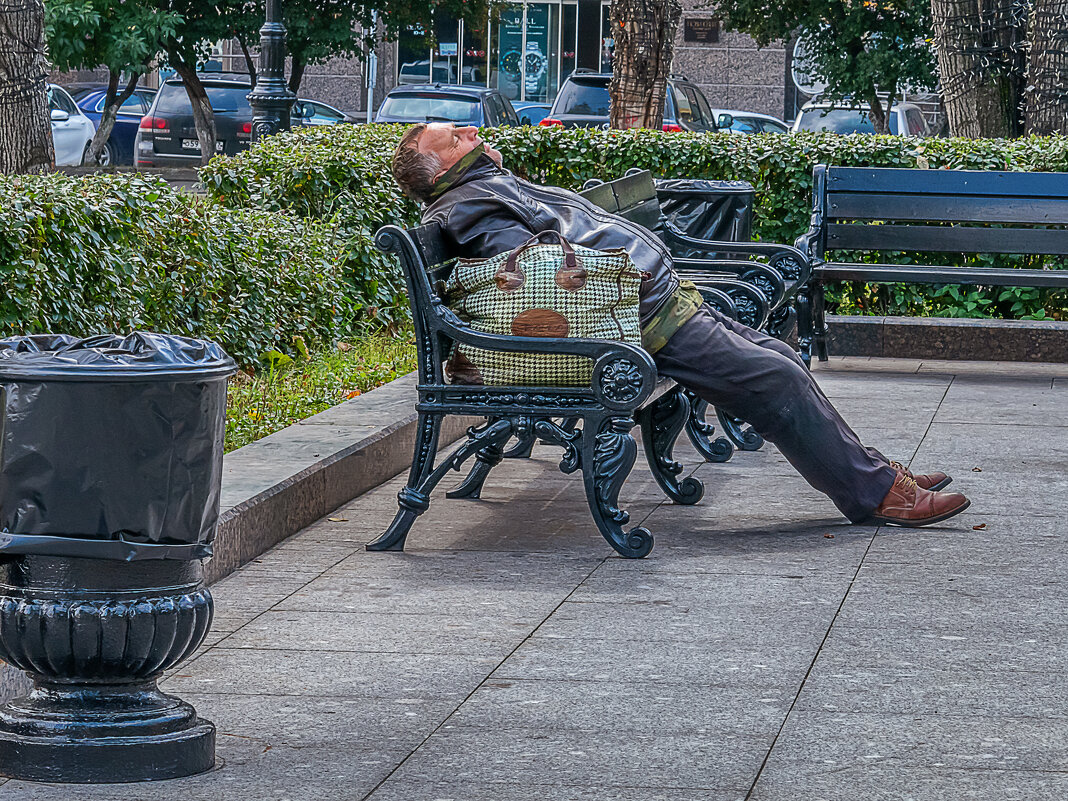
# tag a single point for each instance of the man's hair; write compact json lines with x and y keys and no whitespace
{"x":412,"y":170}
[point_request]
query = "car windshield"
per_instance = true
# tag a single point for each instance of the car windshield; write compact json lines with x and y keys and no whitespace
{"x":589,"y":99}
{"x":427,"y":106}
{"x":840,"y":120}
{"x":173,"y":99}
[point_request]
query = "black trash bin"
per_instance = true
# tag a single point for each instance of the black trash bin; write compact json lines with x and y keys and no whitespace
{"x":717,"y":210}
{"x":110,"y":473}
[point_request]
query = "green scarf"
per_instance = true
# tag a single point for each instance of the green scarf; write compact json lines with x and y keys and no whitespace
{"x":448,"y":180}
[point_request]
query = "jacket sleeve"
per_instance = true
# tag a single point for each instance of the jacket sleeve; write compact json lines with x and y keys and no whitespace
{"x":483,"y":227}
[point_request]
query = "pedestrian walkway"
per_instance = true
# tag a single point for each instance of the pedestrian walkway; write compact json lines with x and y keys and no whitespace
{"x":765,"y":650}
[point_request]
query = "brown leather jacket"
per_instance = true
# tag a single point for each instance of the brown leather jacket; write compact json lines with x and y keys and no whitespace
{"x":489,"y":210}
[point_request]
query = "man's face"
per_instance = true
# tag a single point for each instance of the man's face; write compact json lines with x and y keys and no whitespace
{"x":450,"y":144}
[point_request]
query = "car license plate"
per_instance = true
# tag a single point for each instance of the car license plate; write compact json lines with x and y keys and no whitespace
{"x":194,"y":144}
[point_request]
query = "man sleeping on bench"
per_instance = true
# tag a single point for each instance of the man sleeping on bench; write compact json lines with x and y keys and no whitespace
{"x":484,"y":210}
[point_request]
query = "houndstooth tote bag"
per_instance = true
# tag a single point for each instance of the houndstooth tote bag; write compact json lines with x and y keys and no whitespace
{"x":542,"y":290}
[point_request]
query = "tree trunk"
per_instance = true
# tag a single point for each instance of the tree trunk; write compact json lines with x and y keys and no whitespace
{"x":25,"y":128}
{"x":112,"y":101}
{"x":880,"y":116}
{"x":203,"y":115}
{"x":296,"y":73}
{"x":250,"y":62}
{"x":979,"y":47}
{"x":1047,"y":78}
{"x":644,"y":31}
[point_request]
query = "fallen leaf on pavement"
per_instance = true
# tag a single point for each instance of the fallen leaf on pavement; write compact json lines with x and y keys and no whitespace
{"x":977,"y":470}
{"x":980,"y":527}
{"x":338,"y":519}
{"x":828,"y":536}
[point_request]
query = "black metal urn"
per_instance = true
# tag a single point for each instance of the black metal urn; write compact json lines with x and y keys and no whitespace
{"x":110,"y":473}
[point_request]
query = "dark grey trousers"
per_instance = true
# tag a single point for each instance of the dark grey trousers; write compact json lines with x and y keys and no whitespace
{"x":761,"y":380}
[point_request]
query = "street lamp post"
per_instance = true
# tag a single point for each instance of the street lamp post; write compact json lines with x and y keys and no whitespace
{"x":271,"y":100}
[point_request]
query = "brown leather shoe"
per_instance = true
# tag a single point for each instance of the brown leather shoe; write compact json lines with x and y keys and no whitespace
{"x":927,"y":481}
{"x":907,"y":504}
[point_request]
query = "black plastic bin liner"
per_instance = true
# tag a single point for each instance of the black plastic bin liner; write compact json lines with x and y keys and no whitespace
{"x":719,"y":210}
{"x":111,"y":447}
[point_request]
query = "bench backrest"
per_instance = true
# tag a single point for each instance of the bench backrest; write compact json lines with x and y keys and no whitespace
{"x":632,"y":197}
{"x":906,"y":201}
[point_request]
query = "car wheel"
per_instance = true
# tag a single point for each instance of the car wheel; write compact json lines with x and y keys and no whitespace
{"x":107,"y":155}
{"x":85,"y":155}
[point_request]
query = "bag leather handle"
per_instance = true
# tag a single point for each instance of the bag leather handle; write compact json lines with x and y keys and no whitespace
{"x":570,"y":260}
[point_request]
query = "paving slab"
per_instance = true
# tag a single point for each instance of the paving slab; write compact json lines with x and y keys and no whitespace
{"x":766,"y":650}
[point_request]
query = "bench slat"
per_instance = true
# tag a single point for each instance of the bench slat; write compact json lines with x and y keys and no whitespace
{"x":891,"y":273}
{"x":947,"y":182}
{"x":862,"y":206}
{"x":958,"y":239}
{"x":602,"y":196}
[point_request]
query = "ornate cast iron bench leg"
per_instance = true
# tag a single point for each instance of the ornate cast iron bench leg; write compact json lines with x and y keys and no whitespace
{"x":485,"y":460}
{"x":414,"y":499}
{"x":804,"y":325}
{"x":661,"y":423}
{"x":746,"y":439}
{"x":700,"y":432}
{"x":608,"y":453}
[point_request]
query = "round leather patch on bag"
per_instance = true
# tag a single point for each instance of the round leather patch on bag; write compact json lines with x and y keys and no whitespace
{"x":540,"y":323}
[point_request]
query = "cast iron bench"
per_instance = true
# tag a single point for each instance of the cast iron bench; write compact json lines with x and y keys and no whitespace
{"x":779,"y":277}
{"x":759,"y":294}
{"x":592,"y":424}
{"x":943,"y":211}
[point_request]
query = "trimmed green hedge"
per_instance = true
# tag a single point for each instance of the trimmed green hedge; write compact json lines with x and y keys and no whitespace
{"x":118,"y":252}
{"x":342,"y":172}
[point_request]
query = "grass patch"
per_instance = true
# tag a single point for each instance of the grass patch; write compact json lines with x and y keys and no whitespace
{"x":285,"y":391}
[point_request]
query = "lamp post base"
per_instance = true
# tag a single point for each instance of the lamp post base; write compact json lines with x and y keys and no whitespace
{"x":102,"y":734}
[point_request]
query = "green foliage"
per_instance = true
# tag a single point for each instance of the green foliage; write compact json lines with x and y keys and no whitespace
{"x":287,"y":389}
{"x":857,"y":48}
{"x":340,"y":174}
{"x":343,"y":173}
{"x":116,"y":253}
{"x":87,"y":34}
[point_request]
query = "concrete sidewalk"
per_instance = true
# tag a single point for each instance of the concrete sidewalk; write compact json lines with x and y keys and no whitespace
{"x":766,"y":649}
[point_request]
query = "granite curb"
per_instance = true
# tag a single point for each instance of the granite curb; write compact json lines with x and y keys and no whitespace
{"x":963,"y":339}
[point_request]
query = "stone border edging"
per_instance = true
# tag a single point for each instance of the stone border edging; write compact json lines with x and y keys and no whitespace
{"x":963,"y":339}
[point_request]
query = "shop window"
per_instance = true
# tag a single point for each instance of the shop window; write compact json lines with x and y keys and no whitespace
{"x":413,"y":56}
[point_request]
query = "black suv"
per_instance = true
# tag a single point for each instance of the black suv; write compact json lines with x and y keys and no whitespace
{"x":167,"y":135}
{"x":583,"y":102}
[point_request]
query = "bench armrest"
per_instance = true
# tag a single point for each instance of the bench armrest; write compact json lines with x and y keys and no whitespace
{"x":791,"y":261}
{"x":624,"y":375}
{"x":764,"y":277}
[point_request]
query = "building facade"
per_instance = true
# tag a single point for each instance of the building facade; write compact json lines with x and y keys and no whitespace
{"x":532,"y":46}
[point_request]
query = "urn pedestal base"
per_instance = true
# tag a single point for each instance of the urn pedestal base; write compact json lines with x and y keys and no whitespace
{"x":95,"y":637}
{"x":103,"y":734}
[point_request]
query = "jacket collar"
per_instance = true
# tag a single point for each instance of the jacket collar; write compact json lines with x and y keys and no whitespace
{"x":473,"y":166}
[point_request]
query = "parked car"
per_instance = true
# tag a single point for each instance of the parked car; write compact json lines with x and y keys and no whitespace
{"x":167,"y":135}
{"x":847,"y":118}
{"x":748,"y":122}
{"x":463,"y":105}
{"x":316,"y":112}
{"x":72,"y":131}
{"x":418,"y":72}
{"x":120,"y":145}
{"x":531,"y":113}
{"x":583,"y":102}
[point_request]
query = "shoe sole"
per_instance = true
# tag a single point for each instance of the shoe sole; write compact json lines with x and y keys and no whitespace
{"x":895,"y":521}
{"x":941,"y":485}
